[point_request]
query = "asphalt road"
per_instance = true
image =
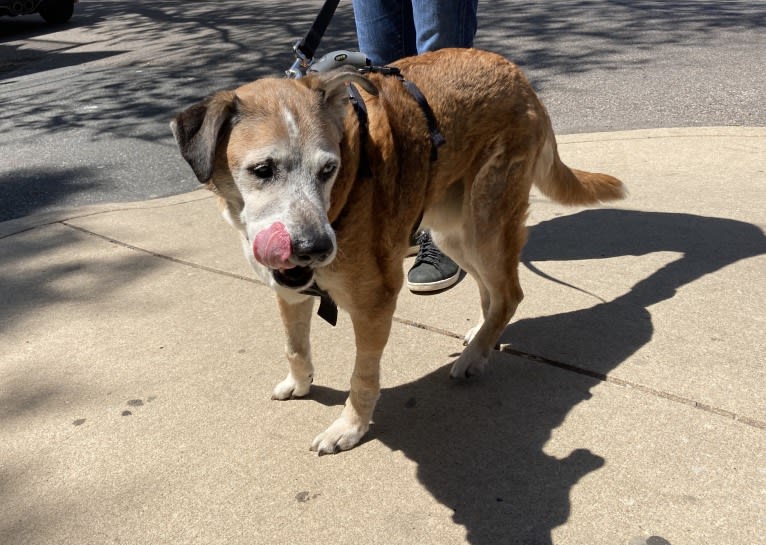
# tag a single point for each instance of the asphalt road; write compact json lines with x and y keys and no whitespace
{"x":84,"y":108}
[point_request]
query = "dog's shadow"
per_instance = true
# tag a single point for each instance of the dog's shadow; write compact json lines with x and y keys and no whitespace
{"x":479,"y":447}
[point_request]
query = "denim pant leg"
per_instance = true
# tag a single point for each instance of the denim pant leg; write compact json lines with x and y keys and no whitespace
{"x":444,"y":23}
{"x":391,"y":29}
{"x":385,"y":29}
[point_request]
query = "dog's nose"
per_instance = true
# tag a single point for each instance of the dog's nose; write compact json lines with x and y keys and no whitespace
{"x":312,"y":251}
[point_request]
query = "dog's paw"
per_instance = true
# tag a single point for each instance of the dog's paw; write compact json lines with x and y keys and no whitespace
{"x":341,"y":435}
{"x":291,"y":387}
{"x":468,"y":365}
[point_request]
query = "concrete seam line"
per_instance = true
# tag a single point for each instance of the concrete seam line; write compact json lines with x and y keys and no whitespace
{"x":601,"y":377}
{"x":162,"y":256}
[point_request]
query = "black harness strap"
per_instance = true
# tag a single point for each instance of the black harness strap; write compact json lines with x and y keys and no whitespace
{"x":363,"y":118}
{"x":437,"y":138}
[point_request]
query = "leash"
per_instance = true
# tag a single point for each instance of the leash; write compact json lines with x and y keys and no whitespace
{"x":306,"y":47}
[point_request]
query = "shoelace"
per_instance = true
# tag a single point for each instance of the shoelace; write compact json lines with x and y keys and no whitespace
{"x":428,"y":253}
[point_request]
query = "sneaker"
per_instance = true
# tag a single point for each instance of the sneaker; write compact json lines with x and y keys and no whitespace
{"x":432,"y":270}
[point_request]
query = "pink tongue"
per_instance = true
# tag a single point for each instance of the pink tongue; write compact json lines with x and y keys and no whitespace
{"x":272,"y":247}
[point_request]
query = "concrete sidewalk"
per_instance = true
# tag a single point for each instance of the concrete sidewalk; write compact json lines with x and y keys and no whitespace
{"x":627,"y":407}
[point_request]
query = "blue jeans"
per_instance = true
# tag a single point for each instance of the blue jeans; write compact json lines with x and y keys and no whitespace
{"x":391,"y":29}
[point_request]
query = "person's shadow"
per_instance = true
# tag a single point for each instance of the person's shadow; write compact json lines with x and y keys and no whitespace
{"x":479,"y":446}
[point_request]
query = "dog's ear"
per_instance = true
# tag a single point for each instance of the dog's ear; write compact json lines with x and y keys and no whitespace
{"x":332,"y":86}
{"x":197,"y":131}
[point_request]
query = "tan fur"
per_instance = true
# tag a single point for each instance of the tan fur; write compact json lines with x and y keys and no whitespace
{"x":474,"y":198}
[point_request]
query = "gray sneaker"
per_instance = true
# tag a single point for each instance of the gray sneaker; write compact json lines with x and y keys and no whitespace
{"x":432,"y":270}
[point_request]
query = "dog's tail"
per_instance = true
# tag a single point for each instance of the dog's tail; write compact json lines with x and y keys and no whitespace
{"x":570,"y":186}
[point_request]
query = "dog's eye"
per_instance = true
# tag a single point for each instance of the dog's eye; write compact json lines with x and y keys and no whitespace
{"x":327,"y":171}
{"x":264,"y":171}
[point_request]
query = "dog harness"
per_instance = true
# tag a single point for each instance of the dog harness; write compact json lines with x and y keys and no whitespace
{"x":328,"y":310}
{"x":437,"y":138}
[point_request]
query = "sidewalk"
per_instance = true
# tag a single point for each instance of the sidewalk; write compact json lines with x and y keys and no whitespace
{"x":627,"y":406}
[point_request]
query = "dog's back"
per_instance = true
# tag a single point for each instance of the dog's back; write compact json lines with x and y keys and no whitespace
{"x":480,"y":98}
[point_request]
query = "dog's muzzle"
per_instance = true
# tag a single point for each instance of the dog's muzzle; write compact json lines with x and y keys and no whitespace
{"x":291,"y":261}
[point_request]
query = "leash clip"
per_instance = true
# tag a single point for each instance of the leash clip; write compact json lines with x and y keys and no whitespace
{"x":300,"y":65}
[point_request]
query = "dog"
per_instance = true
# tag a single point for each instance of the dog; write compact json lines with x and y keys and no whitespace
{"x":319,"y":197}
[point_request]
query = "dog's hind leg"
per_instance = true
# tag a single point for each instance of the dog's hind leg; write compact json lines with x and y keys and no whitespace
{"x":372,"y":326}
{"x":484,"y":295}
{"x":296,"y":319}
{"x":493,"y":236}
{"x":483,"y":338}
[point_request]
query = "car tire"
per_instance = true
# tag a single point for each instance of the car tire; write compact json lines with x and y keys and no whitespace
{"x":57,"y":12}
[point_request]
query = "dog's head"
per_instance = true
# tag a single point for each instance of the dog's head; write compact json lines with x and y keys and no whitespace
{"x":271,"y":150}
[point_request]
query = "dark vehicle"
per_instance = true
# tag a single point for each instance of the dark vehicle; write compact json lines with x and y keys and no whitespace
{"x":53,"y":11}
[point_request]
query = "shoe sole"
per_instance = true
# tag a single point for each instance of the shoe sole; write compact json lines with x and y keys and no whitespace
{"x":434,"y":286}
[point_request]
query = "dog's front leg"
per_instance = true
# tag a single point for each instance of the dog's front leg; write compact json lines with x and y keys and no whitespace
{"x":371,"y":331}
{"x":296,"y":318}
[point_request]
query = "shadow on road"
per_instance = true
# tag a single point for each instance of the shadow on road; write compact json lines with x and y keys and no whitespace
{"x":550,"y":38}
{"x":224,"y":44}
{"x":26,"y":190}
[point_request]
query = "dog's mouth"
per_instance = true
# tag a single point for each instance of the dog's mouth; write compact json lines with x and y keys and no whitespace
{"x":293,"y":278}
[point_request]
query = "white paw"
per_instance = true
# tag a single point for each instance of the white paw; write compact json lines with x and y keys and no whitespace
{"x":292,"y":387}
{"x":468,"y":365}
{"x":341,"y":435}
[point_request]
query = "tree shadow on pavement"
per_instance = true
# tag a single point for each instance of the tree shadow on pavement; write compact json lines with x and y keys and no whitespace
{"x":23,"y":191}
{"x":479,"y":447}
{"x":558,"y":37}
{"x":225,"y":44}
{"x":219,"y":45}
{"x":44,"y":271}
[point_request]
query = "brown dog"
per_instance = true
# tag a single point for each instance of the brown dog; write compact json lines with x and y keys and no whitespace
{"x":316,"y":201}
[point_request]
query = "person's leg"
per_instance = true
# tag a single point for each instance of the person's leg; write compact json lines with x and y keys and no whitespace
{"x":385,"y":29}
{"x":444,"y":23}
{"x":439,"y":24}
